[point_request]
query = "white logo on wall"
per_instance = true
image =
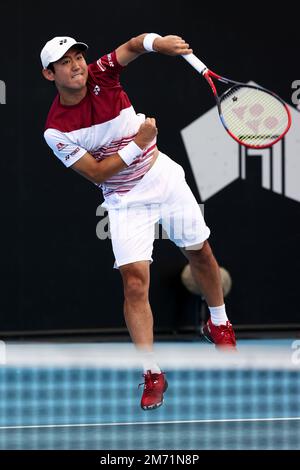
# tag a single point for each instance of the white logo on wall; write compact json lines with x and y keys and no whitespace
{"x":217,"y":160}
{"x":2,"y":92}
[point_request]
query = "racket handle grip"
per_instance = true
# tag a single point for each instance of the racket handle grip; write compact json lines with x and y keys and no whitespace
{"x":195,"y":62}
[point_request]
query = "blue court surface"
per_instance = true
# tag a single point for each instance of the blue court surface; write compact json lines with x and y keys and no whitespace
{"x":86,"y":396}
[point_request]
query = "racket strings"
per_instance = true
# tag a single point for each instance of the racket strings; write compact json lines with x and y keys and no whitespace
{"x":255,"y":117}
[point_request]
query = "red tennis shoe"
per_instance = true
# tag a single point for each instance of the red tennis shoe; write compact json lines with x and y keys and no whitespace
{"x":155,"y":386}
{"x":222,"y":336}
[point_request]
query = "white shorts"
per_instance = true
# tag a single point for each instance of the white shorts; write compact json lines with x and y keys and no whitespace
{"x":162,"y":196}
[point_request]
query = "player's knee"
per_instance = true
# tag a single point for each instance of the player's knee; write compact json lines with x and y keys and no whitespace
{"x":135,"y":289}
{"x":136,"y":285}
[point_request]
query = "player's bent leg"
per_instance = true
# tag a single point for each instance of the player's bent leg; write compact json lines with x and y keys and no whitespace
{"x":137,"y":310}
{"x":206,"y":273}
{"x":139,"y":320}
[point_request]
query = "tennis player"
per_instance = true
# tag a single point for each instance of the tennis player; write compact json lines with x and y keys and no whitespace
{"x":93,"y":129}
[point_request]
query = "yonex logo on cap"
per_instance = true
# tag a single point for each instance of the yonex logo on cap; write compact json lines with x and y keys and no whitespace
{"x":62,"y":42}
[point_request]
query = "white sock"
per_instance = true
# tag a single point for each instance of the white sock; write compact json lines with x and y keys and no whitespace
{"x":218,"y":315}
{"x":149,"y":362}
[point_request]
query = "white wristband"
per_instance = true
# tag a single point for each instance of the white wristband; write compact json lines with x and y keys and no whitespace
{"x":149,"y":40}
{"x":130,"y":153}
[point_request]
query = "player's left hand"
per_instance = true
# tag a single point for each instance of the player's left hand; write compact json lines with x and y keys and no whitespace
{"x":171,"y":45}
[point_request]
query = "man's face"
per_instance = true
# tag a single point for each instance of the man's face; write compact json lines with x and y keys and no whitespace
{"x":71,"y":71}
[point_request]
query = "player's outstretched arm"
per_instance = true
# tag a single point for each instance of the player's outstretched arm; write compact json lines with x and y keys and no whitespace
{"x":169,"y":45}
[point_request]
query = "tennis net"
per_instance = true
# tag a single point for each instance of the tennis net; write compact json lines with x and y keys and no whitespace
{"x":86,"y":396}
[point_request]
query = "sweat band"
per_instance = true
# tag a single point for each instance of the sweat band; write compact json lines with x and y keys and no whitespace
{"x":130,"y":153}
{"x":149,"y":40}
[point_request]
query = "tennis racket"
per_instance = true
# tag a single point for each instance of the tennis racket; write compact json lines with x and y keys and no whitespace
{"x":253,"y":116}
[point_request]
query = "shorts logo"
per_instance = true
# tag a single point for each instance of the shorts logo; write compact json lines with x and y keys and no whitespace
{"x":60,"y":146}
{"x":96,"y":90}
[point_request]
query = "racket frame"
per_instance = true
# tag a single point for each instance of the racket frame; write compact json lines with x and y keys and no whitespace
{"x":209,"y":74}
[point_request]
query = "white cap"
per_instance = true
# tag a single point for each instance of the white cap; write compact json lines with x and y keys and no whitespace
{"x":57,"y":47}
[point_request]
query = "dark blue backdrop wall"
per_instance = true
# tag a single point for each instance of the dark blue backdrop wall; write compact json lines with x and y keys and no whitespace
{"x":55,"y":273}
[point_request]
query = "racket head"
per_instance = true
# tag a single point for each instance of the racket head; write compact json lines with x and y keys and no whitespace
{"x":253,"y":116}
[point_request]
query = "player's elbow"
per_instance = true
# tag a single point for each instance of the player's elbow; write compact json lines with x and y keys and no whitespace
{"x":96,"y":176}
{"x":135,"y":45}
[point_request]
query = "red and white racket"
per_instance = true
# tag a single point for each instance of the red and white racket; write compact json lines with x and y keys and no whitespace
{"x":253,"y":116}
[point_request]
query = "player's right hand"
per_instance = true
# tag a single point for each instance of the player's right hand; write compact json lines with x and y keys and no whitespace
{"x":147,"y":132}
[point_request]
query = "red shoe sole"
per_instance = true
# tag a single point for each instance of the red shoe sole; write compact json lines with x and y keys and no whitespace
{"x":152,"y":407}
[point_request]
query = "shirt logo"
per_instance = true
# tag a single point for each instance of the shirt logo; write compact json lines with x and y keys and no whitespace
{"x":96,"y":90}
{"x":109,"y":58}
{"x":60,"y":146}
{"x":73,"y":153}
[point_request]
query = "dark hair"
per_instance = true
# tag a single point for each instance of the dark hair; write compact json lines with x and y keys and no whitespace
{"x":51,"y":67}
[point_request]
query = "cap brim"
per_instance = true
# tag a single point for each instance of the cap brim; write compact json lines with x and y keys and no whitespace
{"x":81,"y":45}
